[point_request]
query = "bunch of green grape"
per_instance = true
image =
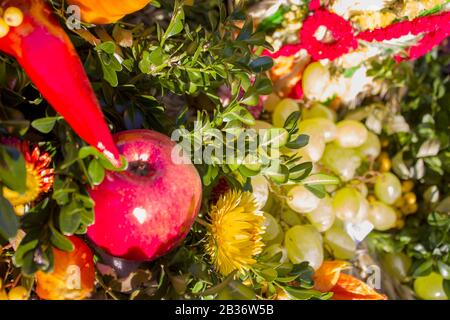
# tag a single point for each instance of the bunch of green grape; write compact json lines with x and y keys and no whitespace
{"x":304,"y":227}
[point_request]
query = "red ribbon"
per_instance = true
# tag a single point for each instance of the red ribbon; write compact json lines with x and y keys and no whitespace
{"x":435,"y":29}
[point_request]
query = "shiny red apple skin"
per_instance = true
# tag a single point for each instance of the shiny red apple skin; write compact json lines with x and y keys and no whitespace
{"x":142,"y":214}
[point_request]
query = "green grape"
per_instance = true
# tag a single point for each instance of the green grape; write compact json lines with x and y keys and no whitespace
{"x":290,"y":217}
{"x":388,"y":188}
{"x":351,"y":134}
{"x":260,"y":187}
{"x":271,"y":202}
{"x":430,"y":287}
{"x":272,"y":227}
{"x":274,"y":250}
{"x":371,"y":148}
{"x":282,"y":111}
{"x":252,"y":162}
{"x":316,"y":144}
{"x":322,"y":218}
{"x":302,"y":200}
{"x":330,"y":188}
{"x":304,"y":243}
{"x":382,"y":216}
{"x":340,"y":243}
{"x":280,"y":237}
{"x":346,"y":203}
{"x":314,"y":149}
{"x":397,"y":264}
{"x":302,"y":153}
{"x":361,"y":187}
{"x":271,"y":102}
{"x":319,"y":110}
{"x":318,"y":126}
{"x":315,"y":81}
{"x":341,"y":161}
{"x":363,"y":212}
{"x":259,"y":124}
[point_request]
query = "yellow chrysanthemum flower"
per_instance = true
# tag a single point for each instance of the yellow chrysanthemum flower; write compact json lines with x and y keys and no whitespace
{"x":235,"y":232}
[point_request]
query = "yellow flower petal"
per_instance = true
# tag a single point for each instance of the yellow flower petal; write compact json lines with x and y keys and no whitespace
{"x":234,"y":236}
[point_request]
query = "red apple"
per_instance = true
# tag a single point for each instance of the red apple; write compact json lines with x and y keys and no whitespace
{"x":144,"y":212}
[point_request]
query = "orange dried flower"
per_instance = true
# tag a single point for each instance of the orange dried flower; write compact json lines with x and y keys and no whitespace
{"x":329,"y":278}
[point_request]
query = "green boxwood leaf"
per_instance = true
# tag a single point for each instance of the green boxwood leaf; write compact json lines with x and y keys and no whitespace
{"x":424,"y":269}
{"x":269,"y":274}
{"x":110,"y":75}
{"x":305,"y":294}
{"x":444,"y":270}
{"x":301,"y":141}
{"x":318,"y":190}
{"x":246,"y":172}
{"x":70,"y":218}
{"x":29,"y":267}
{"x":96,"y":172}
{"x":321,"y":179}
{"x":301,"y":171}
{"x":273,"y":20}
{"x":29,"y":243}
{"x":60,"y":241}
{"x":45,"y":125}
{"x":291,"y":123}
{"x":261,"y":64}
{"x":446,"y":285}
{"x":437,"y":219}
{"x":246,"y":30}
{"x":176,"y":24}
{"x":263,"y":86}
{"x":238,"y":291}
{"x":108,"y":47}
{"x":156,"y":56}
{"x":9,"y":222}
{"x":12,"y":169}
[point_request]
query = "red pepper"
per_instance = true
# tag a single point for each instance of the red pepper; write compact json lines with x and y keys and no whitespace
{"x":48,"y":57}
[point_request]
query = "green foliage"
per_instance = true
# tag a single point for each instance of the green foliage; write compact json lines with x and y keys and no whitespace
{"x":427,"y":243}
{"x":214,"y":140}
{"x":422,"y":154}
{"x":9,"y":222}
{"x":12,"y":169}
{"x":426,"y":147}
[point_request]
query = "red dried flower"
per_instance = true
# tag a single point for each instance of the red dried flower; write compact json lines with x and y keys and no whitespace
{"x":342,"y":31}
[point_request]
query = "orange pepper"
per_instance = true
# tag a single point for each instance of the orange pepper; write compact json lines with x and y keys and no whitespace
{"x":35,"y":38}
{"x":107,"y":11}
{"x":73,"y":275}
